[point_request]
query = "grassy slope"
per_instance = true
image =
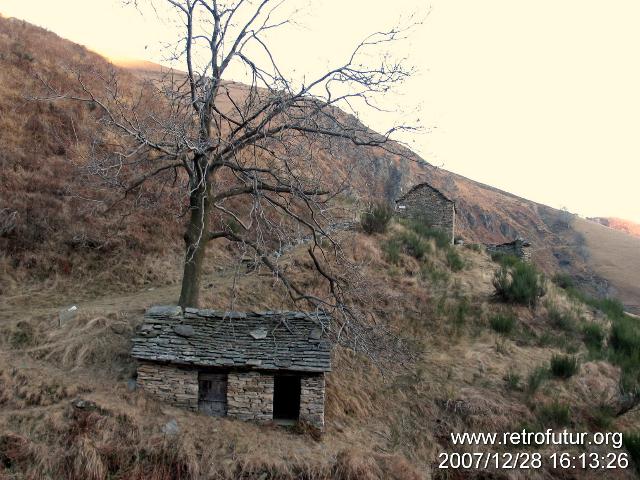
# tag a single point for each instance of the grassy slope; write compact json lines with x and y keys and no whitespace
{"x":616,"y":256}
{"x":626,"y":226}
{"x":53,"y":244}
{"x":377,"y":427}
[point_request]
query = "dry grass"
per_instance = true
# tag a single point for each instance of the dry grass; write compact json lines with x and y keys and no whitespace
{"x":387,"y":423}
{"x":615,"y":256}
{"x":379,"y":425}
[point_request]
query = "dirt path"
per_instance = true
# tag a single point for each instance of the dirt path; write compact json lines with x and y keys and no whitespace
{"x":45,"y":304}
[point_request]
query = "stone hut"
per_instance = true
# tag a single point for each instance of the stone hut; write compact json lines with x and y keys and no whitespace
{"x":427,"y":204}
{"x":263,"y":367}
{"x":518,"y":248}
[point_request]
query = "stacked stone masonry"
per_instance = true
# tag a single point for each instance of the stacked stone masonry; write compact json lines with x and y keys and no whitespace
{"x":170,"y":384}
{"x":312,"y":390}
{"x":427,"y":205}
{"x":250,"y":396}
{"x":518,"y":248}
{"x":174,"y":345}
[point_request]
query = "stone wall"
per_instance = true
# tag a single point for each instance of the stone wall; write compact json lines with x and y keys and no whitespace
{"x":170,"y":384}
{"x":249,"y":393}
{"x":250,"y":396}
{"x":425,"y":204}
{"x":312,"y":390}
{"x":518,"y":248}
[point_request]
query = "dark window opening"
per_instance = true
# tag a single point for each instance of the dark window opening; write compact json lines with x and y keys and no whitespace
{"x":286,"y":397}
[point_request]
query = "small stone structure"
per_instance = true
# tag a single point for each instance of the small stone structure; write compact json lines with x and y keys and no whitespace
{"x":427,"y":204}
{"x":518,"y":248}
{"x":263,"y":367}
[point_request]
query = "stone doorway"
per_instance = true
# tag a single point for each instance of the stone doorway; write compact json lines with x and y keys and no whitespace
{"x":286,"y":398}
{"x":212,"y":394}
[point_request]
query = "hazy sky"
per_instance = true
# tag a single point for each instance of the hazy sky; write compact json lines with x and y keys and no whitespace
{"x":540,"y":98}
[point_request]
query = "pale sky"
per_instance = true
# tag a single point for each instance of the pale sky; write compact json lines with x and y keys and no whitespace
{"x":539,"y":98}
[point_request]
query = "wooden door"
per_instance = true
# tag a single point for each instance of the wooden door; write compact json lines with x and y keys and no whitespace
{"x":212,"y":395}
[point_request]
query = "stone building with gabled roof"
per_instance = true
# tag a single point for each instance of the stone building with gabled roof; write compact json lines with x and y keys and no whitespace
{"x":266,"y":366}
{"x":425,"y":203}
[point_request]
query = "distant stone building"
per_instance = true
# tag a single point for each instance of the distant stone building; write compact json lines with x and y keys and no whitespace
{"x":518,"y":248}
{"x":427,"y":204}
{"x":263,"y":367}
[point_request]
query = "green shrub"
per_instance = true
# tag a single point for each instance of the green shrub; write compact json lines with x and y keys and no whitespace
{"x":391,"y":248}
{"x":377,"y":219}
{"x":423,"y":229}
{"x":631,"y":441}
{"x":535,"y":379}
{"x":505,"y":259}
{"x":413,"y":245}
{"x":520,"y":284}
{"x":563,"y":280}
{"x":625,"y":336}
{"x":563,"y":366}
{"x":454,"y":260}
{"x":624,"y":339}
{"x":554,"y":415}
{"x":23,"y":335}
{"x":512,"y":380}
{"x":561,"y":320}
{"x":503,"y":323}
{"x":593,"y":335}
{"x":429,"y":271}
{"x":460,"y":312}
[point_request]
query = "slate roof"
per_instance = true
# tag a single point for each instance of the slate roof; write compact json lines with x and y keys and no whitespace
{"x":422,"y":185}
{"x":294,"y":341}
{"x":523,"y":242}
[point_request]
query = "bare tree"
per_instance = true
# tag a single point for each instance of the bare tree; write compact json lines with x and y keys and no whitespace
{"x":246,"y":156}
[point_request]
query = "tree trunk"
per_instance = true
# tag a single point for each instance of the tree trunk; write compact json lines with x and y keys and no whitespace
{"x":196,"y":239}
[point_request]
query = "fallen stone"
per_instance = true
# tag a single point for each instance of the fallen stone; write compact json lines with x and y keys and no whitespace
{"x":171,"y":427}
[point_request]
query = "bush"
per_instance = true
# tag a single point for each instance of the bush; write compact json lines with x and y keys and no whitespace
{"x":505,"y":259}
{"x":563,"y":280}
{"x":563,"y":366}
{"x":593,"y":335}
{"x":414,"y":245}
{"x":440,"y":237}
{"x":520,"y":284}
{"x":391,"y":249}
{"x":554,"y":415}
{"x":561,"y":320}
{"x":460,"y":312}
{"x":23,"y":335}
{"x":512,"y":380}
{"x":502,"y":323}
{"x":429,"y":271}
{"x":536,"y":378}
{"x":454,"y":260}
{"x":625,"y":336}
{"x":377,"y":219}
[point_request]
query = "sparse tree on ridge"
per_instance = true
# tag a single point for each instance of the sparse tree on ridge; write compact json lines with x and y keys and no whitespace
{"x":244,"y":155}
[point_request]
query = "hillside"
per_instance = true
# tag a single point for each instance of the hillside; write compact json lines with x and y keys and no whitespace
{"x":69,"y":406}
{"x":616,"y":262}
{"x":479,"y":366}
{"x":42,"y":188}
{"x":620,"y":224}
